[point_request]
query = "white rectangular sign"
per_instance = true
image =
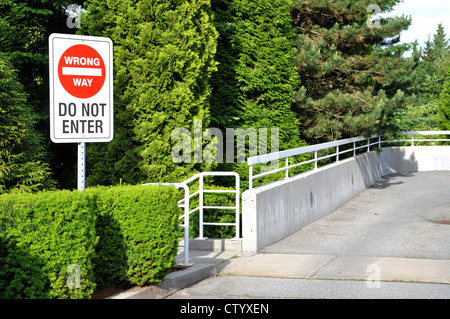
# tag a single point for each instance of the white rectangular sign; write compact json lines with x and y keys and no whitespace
{"x":81,"y":88}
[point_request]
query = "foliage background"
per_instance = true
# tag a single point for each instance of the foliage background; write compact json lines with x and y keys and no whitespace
{"x":315,"y":70}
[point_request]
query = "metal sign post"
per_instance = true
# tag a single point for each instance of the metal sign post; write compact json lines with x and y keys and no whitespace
{"x":81,"y":166}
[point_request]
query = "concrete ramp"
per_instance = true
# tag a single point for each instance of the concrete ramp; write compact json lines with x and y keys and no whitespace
{"x":404,"y":215}
{"x":277,"y":210}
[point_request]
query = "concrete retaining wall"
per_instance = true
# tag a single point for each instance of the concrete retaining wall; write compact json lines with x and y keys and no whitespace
{"x":415,"y":159}
{"x":276,"y":210}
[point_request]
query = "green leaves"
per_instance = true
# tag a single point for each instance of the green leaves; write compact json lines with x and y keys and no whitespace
{"x":24,"y":30}
{"x":43,"y":234}
{"x":428,"y":82}
{"x":115,"y":236}
{"x":314,"y":70}
{"x":138,"y":233}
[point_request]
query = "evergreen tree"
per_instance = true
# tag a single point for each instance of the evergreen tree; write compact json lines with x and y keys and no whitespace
{"x":444,"y":105}
{"x":256,"y":76}
{"x":438,"y":47}
{"x":163,"y":58}
{"x":21,"y":165}
{"x":353,"y":80}
{"x":428,"y":84}
{"x":432,"y":70}
{"x":25,"y":26}
{"x":427,"y":51}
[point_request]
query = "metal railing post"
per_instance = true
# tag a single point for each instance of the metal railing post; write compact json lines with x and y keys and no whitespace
{"x":200,"y":211}
{"x":412,"y":139}
{"x":186,"y":224}
{"x":238,"y":192}
{"x":315,"y":159}
{"x":264,"y":158}
{"x":201,"y":206}
{"x":286,"y":164}
{"x":250,"y":177}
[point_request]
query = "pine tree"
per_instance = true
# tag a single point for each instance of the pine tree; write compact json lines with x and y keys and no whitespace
{"x":428,"y":84}
{"x":444,"y":105}
{"x":353,"y":80}
{"x":427,"y":50}
{"x":432,"y":70}
{"x":163,"y":58}
{"x":438,"y":47}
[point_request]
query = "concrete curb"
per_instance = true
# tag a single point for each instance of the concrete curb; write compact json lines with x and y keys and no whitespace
{"x":171,"y":283}
{"x":204,"y":264}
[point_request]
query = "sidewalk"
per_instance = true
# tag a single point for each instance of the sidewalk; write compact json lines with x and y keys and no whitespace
{"x":324,"y":276}
{"x":340,"y":267}
{"x":266,"y":275}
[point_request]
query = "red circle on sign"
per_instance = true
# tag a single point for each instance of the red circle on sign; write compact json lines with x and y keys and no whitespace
{"x":81,"y":71}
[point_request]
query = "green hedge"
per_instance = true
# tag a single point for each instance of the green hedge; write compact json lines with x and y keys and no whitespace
{"x":138,"y":233}
{"x":117,"y":235}
{"x":41,"y":235}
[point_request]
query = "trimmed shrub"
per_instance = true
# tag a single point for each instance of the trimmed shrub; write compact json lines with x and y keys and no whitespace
{"x":139,"y":233}
{"x":41,"y":235}
{"x":103,"y":236}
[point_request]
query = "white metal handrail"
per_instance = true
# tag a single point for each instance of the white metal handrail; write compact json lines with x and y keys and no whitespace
{"x":265,"y":158}
{"x":422,"y":133}
{"x":184,"y":203}
{"x":201,"y":206}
